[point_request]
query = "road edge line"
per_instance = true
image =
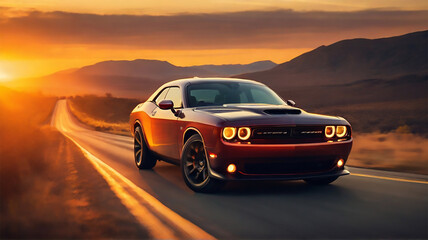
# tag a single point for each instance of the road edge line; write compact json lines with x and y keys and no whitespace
{"x":182,"y":224}
{"x":389,"y":178}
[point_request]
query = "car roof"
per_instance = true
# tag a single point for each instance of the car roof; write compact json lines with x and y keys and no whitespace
{"x":186,"y":81}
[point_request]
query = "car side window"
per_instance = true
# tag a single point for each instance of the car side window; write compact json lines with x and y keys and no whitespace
{"x":161,"y":96}
{"x":174,"y":94}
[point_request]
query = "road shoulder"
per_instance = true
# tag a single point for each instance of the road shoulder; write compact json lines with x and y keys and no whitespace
{"x":70,"y":200}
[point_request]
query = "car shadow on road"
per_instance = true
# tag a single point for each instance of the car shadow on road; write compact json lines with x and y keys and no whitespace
{"x":170,"y":177}
{"x":272,"y":187}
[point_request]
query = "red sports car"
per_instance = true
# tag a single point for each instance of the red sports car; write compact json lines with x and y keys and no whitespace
{"x":222,"y":129}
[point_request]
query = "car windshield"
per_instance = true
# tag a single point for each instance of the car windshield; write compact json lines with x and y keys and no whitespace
{"x":219,"y":93}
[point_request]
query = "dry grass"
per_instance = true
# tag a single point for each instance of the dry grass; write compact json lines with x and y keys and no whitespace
{"x":390,"y":151}
{"x":107,"y":113}
{"x":121,"y":128}
{"x":24,"y":170}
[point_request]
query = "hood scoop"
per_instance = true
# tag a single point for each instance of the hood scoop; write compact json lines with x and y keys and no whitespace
{"x":282,"y":111}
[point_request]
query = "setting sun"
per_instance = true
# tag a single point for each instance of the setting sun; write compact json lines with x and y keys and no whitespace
{"x":4,"y":76}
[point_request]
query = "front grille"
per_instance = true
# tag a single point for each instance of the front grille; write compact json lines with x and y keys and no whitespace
{"x":308,"y":132}
{"x":290,"y":166}
{"x":300,"y":134}
{"x":272,"y":132}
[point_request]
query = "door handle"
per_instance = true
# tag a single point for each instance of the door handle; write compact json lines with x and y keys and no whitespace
{"x":154,"y":113}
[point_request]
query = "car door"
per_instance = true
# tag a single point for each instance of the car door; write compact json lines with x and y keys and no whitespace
{"x":165,"y":126}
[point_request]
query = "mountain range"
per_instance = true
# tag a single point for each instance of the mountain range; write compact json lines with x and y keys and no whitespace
{"x":341,"y":63}
{"x":163,"y":70}
{"x":135,"y":78}
{"x":351,"y":60}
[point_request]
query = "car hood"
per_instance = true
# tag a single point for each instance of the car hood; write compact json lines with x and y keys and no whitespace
{"x":265,"y":114}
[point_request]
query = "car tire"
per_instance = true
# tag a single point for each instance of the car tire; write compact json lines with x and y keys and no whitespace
{"x":195,"y":168}
{"x":320,"y":181}
{"x":142,"y":154}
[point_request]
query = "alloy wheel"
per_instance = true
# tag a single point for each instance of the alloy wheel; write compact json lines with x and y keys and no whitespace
{"x":196,"y":168}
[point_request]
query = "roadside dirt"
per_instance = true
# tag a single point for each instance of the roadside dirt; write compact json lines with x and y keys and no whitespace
{"x":67,"y":199}
{"x":390,"y":151}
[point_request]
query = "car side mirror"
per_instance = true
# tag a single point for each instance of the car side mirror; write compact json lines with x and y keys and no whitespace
{"x":291,"y":103}
{"x":166,"y":104}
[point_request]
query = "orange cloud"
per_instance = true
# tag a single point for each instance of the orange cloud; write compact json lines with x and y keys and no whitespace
{"x":255,"y":29}
{"x":49,"y":41}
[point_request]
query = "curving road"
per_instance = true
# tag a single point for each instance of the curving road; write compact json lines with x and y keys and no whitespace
{"x":366,"y":204}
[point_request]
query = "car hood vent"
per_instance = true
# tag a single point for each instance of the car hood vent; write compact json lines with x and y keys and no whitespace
{"x":282,"y":111}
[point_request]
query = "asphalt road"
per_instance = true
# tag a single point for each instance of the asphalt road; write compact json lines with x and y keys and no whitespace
{"x":365,"y":204}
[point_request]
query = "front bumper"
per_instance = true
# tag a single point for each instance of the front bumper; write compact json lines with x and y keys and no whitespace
{"x":278,"y":161}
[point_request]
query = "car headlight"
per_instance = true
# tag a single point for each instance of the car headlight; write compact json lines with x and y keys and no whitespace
{"x":340,"y":131}
{"x":229,"y":133}
{"x":329,"y":131}
{"x":244,"y":133}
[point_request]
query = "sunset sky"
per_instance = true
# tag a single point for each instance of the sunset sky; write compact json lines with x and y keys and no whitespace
{"x":41,"y":37}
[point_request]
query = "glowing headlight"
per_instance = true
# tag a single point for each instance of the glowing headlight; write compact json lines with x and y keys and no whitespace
{"x":340,"y":131}
{"x":329,"y":131}
{"x":244,"y":133}
{"x":229,"y":133}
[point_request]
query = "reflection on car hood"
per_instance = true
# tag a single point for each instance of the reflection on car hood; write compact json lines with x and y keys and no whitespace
{"x":251,"y":114}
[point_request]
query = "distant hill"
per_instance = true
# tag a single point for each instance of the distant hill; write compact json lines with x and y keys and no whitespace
{"x":351,"y":60}
{"x":135,"y":78}
{"x":234,"y":69}
{"x":163,"y":70}
{"x":140,"y":68}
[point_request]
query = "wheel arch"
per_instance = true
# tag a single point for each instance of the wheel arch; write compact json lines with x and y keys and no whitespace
{"x":138,"y":123}
{"x":190,"y":131}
